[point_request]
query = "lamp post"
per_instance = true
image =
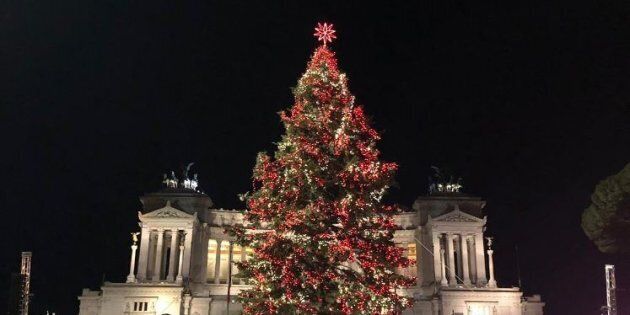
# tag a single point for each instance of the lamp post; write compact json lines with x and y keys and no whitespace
{"x":229,"y":279}
{"x":611,"y":288}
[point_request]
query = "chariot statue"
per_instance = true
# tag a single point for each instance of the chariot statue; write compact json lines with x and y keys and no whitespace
{"x":439,"y":182}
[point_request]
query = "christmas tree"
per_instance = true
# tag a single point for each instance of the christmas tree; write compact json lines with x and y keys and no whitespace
{"x":321,"y":237}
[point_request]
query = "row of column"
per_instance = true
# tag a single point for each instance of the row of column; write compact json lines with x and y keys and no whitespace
{"x":467,"y":251}
{"x":153,"y":255}
{"x":230,"y":259}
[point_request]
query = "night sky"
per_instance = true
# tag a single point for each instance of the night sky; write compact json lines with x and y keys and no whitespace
{"x":527,"y":100}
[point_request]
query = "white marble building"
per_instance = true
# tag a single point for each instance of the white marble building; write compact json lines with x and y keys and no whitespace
{"x":181,"y":265}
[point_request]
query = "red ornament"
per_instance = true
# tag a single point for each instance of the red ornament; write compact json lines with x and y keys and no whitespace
{"x":325,"y":173}
{"x":325,"y":33}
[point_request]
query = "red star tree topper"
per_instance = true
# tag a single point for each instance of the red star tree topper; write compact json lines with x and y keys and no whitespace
{"x":326,"y":242}
{"x":325,"y":33}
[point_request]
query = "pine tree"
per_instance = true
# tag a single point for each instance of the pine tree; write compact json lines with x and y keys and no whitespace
{"x":606,"y":221}
{"x":321,"y":237}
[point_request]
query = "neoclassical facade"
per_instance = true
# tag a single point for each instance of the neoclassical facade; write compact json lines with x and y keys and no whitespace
{"x":180,"y":264}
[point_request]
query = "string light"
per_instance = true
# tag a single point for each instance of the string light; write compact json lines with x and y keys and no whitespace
{"x":328,"y":240}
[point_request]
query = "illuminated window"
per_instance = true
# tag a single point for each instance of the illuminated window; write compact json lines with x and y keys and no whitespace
{"x":411,"y":251}
{"x":412,"y":271}
{"x":140,"y":306}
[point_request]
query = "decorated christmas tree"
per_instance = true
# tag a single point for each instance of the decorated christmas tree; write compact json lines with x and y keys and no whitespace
{"x":321,"y":237}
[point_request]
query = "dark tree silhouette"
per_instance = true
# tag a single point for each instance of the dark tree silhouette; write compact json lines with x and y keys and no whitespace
{"x":606,"y":221}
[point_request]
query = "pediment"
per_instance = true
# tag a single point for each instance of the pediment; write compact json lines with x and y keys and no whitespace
{"x":457,"y":216}
{"x":167,"y":212}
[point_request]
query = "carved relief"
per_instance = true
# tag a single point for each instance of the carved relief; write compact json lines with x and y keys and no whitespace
{"x":457,"y":217}
{"x":166,"y":213}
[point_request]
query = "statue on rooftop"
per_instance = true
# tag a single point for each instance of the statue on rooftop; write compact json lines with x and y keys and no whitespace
{"x":186,"y":182}
{"x":489,"y":239}
{"x":440,"y":183}
{"x":187,"y":169}
{"x":134,"y":237}
{"x":170,"y":182}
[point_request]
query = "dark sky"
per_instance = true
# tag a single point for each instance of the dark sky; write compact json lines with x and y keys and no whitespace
{"x":527,"y":100}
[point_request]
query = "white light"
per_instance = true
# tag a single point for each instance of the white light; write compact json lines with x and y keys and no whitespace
{"x":161,"y":305}
{"x":480,"y":310}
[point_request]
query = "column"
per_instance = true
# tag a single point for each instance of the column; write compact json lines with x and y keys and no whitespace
{"x":435,"y":306}
{"x":132,"y":265}
{"x":243,"y":258}
{"x":202,"y":260}
{"x":458,"y":251}
{"x":451,"y":260}
{"x":471,"y":258}
{"x":234,"y":266}
{"x":437,"y":263}
{"x":151,"y":257}
{"x":399,"y":270}
{"x":230,"y":261}
{"x":171,"y":263}
{"x":187,"y":252}
{"x":179,"y":278}
{"x":419,"y":257}
{"x":243,"y":254}
{"x":144,"y":253}
{"x":217,"y":264}
{"x":158,"y":256}
{"x":443,"y":268}
{"x":164,"y":258}
{"x":480,"y":260}
{"x":491,"y":283}
{"x":464,"y":250}
{"x":187,"y":299}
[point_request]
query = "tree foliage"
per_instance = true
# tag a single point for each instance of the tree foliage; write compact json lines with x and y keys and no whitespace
{"x":606,"y":221}
{"x":322,"y":239}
